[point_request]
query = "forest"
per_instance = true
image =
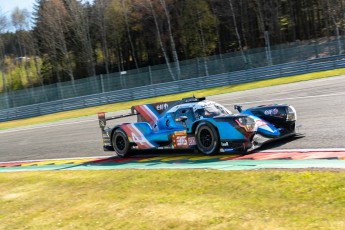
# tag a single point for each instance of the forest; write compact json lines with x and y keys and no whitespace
{"x":66,"y":40}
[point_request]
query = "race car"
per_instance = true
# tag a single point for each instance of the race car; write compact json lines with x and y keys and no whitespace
{"x":197,"y":123}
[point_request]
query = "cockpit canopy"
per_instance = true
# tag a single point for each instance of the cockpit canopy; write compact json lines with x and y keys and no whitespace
{"x":210,"y":109}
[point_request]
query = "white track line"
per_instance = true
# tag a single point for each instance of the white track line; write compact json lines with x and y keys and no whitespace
{"x":46,"y":126}
{"x":306,"y":150}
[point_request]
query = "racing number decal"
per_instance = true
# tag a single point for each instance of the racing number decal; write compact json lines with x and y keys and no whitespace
{"x":137,"y":139}
{"x":135,"y":135}
{"x":181,"y":140}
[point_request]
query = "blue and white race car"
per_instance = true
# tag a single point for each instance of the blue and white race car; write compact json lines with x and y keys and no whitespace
{"x":196,"y":123}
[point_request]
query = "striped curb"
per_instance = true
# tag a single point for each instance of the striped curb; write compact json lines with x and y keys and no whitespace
{"x":259,"y":160}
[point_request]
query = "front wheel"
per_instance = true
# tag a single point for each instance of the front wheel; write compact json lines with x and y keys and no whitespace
{"x":207,"y":139}
{"x":121,"y":143}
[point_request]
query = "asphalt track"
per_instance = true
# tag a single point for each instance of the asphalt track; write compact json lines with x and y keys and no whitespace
{"x":320,"y":105}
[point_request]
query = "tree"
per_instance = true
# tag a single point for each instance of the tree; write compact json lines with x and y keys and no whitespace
{"x":265,"y":17}
{"x":79,"y":35}
{"x":51,"y":31}
{"x":116,"y":33}
{"x":171,"y":37}
{"x":20,"y":21}
{"x":335,"y":11}
{"x":198,"y":27}
{"x":125,"y":15}
{"x":150,"y":11}
{"x":100,"y":7}
{"x":3,"y":26}
{"x":237,"y":33}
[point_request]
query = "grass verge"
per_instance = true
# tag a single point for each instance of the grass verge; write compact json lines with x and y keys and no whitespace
{"x":198,"y":93}
{"x":172,"y":199}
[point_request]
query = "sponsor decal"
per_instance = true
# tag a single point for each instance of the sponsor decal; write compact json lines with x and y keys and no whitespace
{"x":260,"y":123}
{"x":225,"y":144}
{"x":163,"y":106}
{"x":228,"y":150}
{"x":271,"y":112}
{"x":191,"y":141}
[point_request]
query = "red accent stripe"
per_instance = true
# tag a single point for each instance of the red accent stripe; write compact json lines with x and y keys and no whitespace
{"x":319,"y":155}
{"x":127,"y":130}
{"x":252,"y":156}
{"x":273,"y":156}
{"x":293,"y":155}
{"x":144,"y":111}
{"x":120,"y":160}
{"x":10,"y":164}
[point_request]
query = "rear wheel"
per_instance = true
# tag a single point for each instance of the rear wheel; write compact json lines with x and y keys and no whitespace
{"x":207,"y":139}
{"x":121,"y":143}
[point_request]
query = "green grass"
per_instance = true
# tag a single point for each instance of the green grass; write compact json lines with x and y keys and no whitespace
{"x":172,"y":199}
{"x":197,"y":93}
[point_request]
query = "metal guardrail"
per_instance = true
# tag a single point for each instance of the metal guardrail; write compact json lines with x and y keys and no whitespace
{"x":243,"y":76}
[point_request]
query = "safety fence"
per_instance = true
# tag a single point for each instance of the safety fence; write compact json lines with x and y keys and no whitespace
{"x":187,"y":69}
{"x":183,"y":85}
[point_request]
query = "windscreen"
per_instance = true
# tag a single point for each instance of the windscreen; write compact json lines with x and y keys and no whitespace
{"x":211,"y":110}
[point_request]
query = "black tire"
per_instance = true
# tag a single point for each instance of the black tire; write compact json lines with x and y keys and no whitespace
{"x":121,"y":143}
{"x":207,"y":139}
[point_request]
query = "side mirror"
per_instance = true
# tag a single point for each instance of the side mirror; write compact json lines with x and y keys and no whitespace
{"x":238,"y":108}
{"x":181,"y":119}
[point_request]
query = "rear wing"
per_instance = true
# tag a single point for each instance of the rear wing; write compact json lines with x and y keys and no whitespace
{"x":103,"y":120}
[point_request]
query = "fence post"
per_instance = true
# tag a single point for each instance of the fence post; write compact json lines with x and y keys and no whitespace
{"x":102,"y":83}
{"x":197,"y":67}
{"x":60,"y":91}
{"x":316,"y":49}
{"x":123,"y":79}
{"x":6,"y":99}
{"x":268,"y":48}
{"x":150,"y":75}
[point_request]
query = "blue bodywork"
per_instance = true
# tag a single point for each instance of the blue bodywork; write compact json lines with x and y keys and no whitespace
{"x":175,"y":125}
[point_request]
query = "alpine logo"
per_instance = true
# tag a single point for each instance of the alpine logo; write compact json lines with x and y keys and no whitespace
{"x":271,"y":112}
{"x":160,"y":107}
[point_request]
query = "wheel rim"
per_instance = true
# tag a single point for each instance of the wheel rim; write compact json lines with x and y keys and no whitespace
{"x":206,"y":138}
{"x":120,"y":143}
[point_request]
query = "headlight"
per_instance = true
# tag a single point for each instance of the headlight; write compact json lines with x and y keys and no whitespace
{"x":291,"y":115}
{"x":247,"y":123}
